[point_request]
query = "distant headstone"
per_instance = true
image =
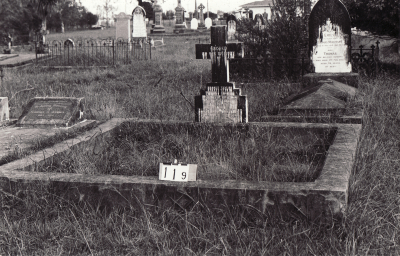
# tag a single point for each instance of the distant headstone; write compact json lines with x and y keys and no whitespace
{"x":201,"y":21}
{"x":194,"y":24}
{"x":52,"y":111}
{"x":123,"y":26}
{"x":158,"y":27}
{"x":179,"y":16}
{"x":139,"y":23}
{"x":4,"y":109}
{"x":69,"y":43}
{"x":231,"y":23}
{"x":221,"y":102}
{"x":330,"y":37}
{"x":208,"y":23}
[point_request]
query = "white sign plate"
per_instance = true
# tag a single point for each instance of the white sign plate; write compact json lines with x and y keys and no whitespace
{"x":178,"y":172}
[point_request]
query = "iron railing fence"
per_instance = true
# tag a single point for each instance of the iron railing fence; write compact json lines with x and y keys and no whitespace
{"x":92,"y":52}
{"x":363,"y":60}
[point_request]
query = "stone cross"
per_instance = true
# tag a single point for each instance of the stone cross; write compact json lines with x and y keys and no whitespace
{"x":201,"y":7}
{"x":219,"y":51}
{"x":221,"y":102}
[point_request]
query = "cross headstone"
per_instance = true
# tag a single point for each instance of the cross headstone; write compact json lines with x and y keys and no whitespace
{"x":221,"y":101}
{"x":139,"y":30}
{"x":52,"y":111}
{"x":201,"y":8}
{"x":330,"y":37}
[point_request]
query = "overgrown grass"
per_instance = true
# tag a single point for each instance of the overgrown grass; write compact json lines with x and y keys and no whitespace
{"x":221,"y":153}
{"x":37,"y":222}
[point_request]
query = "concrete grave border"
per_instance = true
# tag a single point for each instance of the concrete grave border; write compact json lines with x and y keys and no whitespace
{"x":327,"y":196}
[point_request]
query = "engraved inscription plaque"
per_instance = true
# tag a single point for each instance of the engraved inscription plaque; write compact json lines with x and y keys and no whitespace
{"x":52,"y":111}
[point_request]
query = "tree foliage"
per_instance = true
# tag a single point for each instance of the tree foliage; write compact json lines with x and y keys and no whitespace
{"x":283,"y":36}
{"x":378,"y":16}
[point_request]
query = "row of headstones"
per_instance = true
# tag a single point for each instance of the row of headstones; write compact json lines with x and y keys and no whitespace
{"x":329,"y":47}
{"x":221,"y":101}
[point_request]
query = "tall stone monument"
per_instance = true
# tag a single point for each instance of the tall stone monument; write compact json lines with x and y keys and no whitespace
{"x":158,"y":27}
{"x":201,"y":18}
{"x":330,"y":43}
{"x":179,"y":14}
{"x":221,"y":102}
{"x":123,"y":26}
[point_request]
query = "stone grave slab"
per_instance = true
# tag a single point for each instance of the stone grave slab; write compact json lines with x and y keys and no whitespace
{"x":4,"y":110}
{"x":52,"y":112}
{"x":326,"y":197}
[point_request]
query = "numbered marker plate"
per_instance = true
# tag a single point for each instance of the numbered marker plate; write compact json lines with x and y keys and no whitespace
{"x":177,"y":172}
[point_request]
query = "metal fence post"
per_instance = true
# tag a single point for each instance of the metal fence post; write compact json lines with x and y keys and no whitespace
{"x":113,"y":52}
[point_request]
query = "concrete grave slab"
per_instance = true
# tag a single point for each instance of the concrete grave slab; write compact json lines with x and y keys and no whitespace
{"x":326,"y":197}
{"x":326,"y":102}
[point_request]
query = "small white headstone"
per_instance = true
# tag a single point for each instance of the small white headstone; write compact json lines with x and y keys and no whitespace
{"x":208,"y":23}
{"x":139,"y":22}
{"x":4,"y":110}
{"x":231,"y":30}
{"x":194,"y":24}
{"x":331,"y":52}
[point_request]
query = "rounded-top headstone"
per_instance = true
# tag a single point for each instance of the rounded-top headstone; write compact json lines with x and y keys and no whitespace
{"x":194,"y":23}
{"x":336,"y":12}
{"x":208,"y":23}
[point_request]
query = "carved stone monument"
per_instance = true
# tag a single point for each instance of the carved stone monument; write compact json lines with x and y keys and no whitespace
{"x":201,"y":18}
{"x":330,"y":43}
{"x":158,"y":27}
{"x":179,"y":14}
{"x":221,"y":102}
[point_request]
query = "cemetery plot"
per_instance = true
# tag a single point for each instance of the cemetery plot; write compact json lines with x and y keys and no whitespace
{"x":226,"y":152}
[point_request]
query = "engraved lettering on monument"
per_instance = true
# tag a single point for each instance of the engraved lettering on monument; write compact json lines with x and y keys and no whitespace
{"x":62,"y":112}
{"x":330,"y":54}
{"x":330,"y":37}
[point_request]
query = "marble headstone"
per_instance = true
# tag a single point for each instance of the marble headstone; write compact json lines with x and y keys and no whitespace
{"x":139,"y":23}
{"x":194,"y":24}
{"x":330,"y":37}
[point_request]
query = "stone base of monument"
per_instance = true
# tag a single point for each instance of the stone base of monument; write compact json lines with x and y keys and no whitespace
{"x":221,"y":103}
{"x":325,"y":103}
{"x":323,"y":198}
{"x":179,"y":28}
{"x":312,"y":79}
{"x":157,"y":30}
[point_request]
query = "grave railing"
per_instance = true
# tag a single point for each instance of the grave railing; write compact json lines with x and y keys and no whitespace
{"x":365,"y":60}
{"x":271,"y":68}
{"x":92,"y":52}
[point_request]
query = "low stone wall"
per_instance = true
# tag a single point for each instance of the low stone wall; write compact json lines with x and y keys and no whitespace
{"x":326,"y":197}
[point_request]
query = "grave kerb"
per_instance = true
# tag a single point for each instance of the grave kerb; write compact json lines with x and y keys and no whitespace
{"x":326,"y":197}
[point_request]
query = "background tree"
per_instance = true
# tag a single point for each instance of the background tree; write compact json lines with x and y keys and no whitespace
{"x":108,"y":9}
{"x":148,"y":7}
{"x":378,"y":16}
